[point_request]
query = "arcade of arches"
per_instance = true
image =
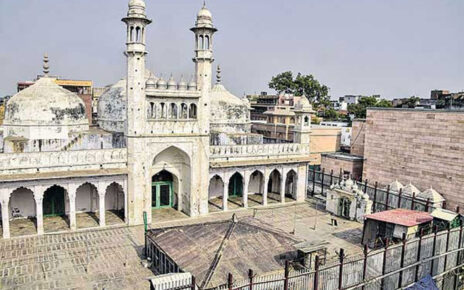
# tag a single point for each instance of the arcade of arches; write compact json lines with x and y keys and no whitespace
{"x":37,"y":209}
{"x":250,"y":188}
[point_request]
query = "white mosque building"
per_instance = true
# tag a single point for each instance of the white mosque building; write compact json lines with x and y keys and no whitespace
{"x":159,"y":144}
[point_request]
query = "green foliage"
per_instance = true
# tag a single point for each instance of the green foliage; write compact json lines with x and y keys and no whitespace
{"x":331,"y":114}
{"x":301,"y":85}
{"x":412,"y":101}
{"x":359,"y":109}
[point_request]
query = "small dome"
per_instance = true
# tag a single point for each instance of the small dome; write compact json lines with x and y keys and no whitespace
{"x":395,"y":186}
{"x":45,"y":103}
{"x":349,"y":183}
{"x":161,"y":84}
{"x":140,"y":3}
{"x":182,"y":84}
{"x":192,"y":86}
{"x":304,"y":104}
{"x":151,"y":82}
{"x":204,"y":13}
{"x":172,"y":85}
{"x":410,"y":190}
{"x":432,"y":195}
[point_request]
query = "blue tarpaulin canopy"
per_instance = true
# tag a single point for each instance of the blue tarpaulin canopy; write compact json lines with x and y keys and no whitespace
{"x":425,"y":283}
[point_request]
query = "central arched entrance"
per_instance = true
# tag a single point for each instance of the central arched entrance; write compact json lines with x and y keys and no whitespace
{"x":54,"y":202}
{"x":162,"y":190}
{"x":236,"y":185}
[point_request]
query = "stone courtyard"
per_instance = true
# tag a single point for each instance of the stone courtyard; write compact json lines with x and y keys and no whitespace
{"x":110,"y":258}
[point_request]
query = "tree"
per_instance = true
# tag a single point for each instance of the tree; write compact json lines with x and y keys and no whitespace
{"x":301,"y":85}
{"x":359,"y":109}
{"x":412,"y":102}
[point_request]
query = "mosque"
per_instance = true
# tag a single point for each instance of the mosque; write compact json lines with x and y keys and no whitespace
{"x":184,"y":146}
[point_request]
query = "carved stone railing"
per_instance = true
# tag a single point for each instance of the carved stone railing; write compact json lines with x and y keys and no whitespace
{"x":260,"y":150}
{"x":16,"y":163}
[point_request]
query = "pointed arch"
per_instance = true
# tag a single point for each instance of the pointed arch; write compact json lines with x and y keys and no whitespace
{"x":87,"y":202}
{"x":291,"y":183}
{"x":256,"y":183}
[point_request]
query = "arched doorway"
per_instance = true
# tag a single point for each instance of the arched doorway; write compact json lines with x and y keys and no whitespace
{"x":273,"y":186}
{"x":54,"y":202}
{"x":54,"y":209}
{"x":162,"y":190}
{"x":170,"y":184}
{"x":291,"y":184}
{"x":22,"y":213}
{"x":87,"y":205}
{"x":216,"y":194}
{"x":114,"y":204}
{"x":236,"y":185}
{"x":256,"y":188}
{"x":344,"y":205}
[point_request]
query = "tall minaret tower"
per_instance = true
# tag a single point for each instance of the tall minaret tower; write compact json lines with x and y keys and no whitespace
{"x":136,"y":22}
{"x":204,"y":31}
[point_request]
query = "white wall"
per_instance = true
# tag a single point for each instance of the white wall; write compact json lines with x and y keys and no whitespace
{"x":255,"y":184}
{"x":216,"y":187}
{"x":86,"y":198}
{"x":23,"y":199}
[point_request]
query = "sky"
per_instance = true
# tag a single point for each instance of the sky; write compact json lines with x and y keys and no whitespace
{"x":395,"y":48}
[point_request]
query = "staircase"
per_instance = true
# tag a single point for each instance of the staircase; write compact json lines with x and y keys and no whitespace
{"x":72,"y":142}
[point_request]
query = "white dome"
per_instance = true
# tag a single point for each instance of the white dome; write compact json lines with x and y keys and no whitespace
{"x":140,"y":3}
{"x":204,"y":13}
{"x":228,"y":112}
{"x":45,"y":103}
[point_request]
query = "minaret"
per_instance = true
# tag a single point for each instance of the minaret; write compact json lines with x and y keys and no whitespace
{"x":137,"y":201}
{"x":204,"y":31}
{"x":136,"y":22}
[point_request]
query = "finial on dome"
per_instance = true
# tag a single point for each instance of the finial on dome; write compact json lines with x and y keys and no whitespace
{"x":46,"y":67}
{"x":204,"y":3}
{"x":218,"y":75}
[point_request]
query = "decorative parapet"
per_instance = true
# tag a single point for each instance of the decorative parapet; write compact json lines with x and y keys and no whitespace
{"x":17,"y":163}
{"x":259,"y":151}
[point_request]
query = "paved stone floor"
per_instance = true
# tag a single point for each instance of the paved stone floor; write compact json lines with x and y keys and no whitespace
{"x":110,"y":258}
{"x":99,"y":259}
{"x":236,"y":202}
{"x":27,"y":227}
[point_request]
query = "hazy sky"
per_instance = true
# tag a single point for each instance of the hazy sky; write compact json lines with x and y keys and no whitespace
{"x":395,"y":48}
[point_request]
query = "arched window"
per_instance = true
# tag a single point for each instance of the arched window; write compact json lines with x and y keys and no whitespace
{"x":206,"y":44}
{"x":142,"y":38}
{"x":200,"y":42}
{"x":137,"y":34}
{"x":152,"y":110}
{"x":163,"y":111}
{"x":173,"y":111}
{"x":184,"y":111}
{"x":306,"y":121}
{"x":193,"y":111}
{"x":131,"y":38}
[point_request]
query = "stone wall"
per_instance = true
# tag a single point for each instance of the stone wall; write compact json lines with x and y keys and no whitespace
{"x":348,"y":164}
{"x":357,"y":137}
{"x":323,"y":139}
{"x":425,"y":148}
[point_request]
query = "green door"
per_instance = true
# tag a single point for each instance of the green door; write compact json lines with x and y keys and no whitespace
{"x":162,"y":194}
{"x":53,"y":202}
{"x":236,"y":185}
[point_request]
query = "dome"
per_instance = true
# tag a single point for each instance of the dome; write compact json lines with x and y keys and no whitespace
{"x":410,"y":190}
{"x":45,"y":103}
{"x":192,"y":86}
{"x":204,"y":13}
{"x":395,"y":186}
{"x":151,"y":82}
{"x":112,"y":107}
{"x":140,"y":3}
{"x":161,"y":84}
{"x":304,"y":104}
{"x":182,"y":84}
{"x":229,"y":113}
{"x":172,"y":85}
{"x":432,"y":195}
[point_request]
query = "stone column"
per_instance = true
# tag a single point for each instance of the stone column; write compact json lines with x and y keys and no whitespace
{"x":282,"y":186}
{"x":101,"y":203}
{"x":225,"y":196}
{"x":5,"y":219}
{"x":72,"y":211}
{"x":245,"y":189}
{"x":39,"y":214}
{"x":72,"y":189}
{"x":266,"y":181}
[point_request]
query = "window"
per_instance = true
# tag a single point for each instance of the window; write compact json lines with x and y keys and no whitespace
{"x":173,"y":111}
{"x":206,"y":44}
{"x":163,"y":111}
{"x":137,"y":34}
{"x":200,"y":42}
{"x":184,"y":111}
{"x":306,"y":121}
{"x":131,"y":37}
{"x":193,"y":111}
